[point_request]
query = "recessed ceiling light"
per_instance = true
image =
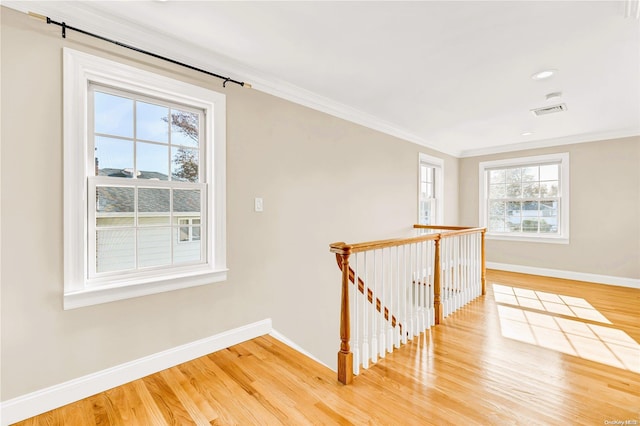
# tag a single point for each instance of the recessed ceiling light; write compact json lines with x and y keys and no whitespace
{"x":543,"y":74}
{"x":526,"y":133}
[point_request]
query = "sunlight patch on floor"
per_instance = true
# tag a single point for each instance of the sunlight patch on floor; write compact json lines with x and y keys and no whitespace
{"x":532,"y":317}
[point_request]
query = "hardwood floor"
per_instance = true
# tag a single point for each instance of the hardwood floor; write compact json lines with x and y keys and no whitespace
{"x":533,"y":351}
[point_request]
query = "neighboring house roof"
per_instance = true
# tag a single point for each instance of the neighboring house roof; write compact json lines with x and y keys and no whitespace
{"x":121,"y":199}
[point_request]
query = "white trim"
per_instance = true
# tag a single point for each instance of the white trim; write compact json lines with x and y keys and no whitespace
{"x":34,"y":403}
{"x":564,"y":203}
{"x":568,"y":275}
{"x":438,"y":164}
{"x":546,"y":143}
{"x":160,"y":283}
{"x":277,"y":335}
{"x":81,"y":69}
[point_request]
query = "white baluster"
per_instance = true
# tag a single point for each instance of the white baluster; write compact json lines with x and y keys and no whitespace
{"x":382,"y":339}
{"x":405,"y":283}
{"x":374,"y":318}
{"x":356,"y":324}
{"x":365,"y":315}
{"x":412,"y":291}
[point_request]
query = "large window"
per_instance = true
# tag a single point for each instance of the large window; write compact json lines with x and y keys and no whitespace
{"x":144,"y":182}
{"x":526,"y":198}
{"x":430,"y":190}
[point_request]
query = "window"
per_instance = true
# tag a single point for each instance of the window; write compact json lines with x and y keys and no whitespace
{"x":144,"y":181}
{"x":189,"y":230}
{"x":430,"y":190}
{"x":526,"y":198}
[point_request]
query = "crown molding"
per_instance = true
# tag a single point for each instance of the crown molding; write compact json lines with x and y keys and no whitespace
{"x":546,"y":143}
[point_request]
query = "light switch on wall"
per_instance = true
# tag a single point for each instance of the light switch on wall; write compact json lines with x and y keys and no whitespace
{"x":258,"y":204}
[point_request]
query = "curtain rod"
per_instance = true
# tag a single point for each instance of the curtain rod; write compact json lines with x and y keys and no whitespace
{"x":66,"y":27}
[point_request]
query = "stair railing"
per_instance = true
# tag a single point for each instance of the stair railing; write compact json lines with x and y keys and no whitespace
{"x":402,"y":287}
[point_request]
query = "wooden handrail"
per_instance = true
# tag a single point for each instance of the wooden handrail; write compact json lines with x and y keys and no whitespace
{"x":452,"y":231}
{"x":342,"y":248}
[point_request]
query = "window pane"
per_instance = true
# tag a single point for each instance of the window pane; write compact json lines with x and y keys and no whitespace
{"x":426,"y":213}
{"x":497,"y":208}
{"x":186,"y":200}
{"x":113,"y":157}
{"x":530,"y":213}
{"x":549,"y":189}
{"x":549,"y":172}
{"x":184,"y":128}
{"x":497,"y":176}
{"x":153,"y":206}
{"x":428,"y":174}
{"x":514,"y":223}
{"x":514,"y":213}
{"x":514,"y":176}
{"x":114,"y":199}
{"x":530,"y":190}
{"x":514,"y":190}
{"x":497,"y":224}
{"x":152,"y":122}
{"x":152,"y":161}
{"x":113,"y":115}
{"x":183,"y":234}
{"x":529,"y":225}
{"x":497,"y":191}
{"x":530,"y":174}
{"x":184,"y":164}
{"x":195,"y":231}
{"x":549,"y":214}
{"x":186,"y":251}
{"x":115,"y":250}
{"x":154,"y":246}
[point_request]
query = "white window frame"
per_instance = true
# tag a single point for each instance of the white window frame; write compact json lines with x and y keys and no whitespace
{"x":563,"y":197}
{"x":438,"y":165}
{"x":80,"y":70}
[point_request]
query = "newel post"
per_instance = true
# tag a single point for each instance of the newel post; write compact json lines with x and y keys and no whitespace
{"x":437,"y":284}
{"x":345,"y":357}
{"x":483,"y":264}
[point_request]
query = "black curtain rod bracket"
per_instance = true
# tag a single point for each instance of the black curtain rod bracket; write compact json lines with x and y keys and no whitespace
{"x":66,"y":27}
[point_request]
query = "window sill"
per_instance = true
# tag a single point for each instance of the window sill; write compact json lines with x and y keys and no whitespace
{"x":104,"y":294}
{"x":528,"y":239}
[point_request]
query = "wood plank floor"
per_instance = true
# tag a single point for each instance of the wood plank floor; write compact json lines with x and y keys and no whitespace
{"x":533,"y":351}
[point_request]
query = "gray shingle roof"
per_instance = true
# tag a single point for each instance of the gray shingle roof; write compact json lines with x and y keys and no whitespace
{"x":119,"y":199}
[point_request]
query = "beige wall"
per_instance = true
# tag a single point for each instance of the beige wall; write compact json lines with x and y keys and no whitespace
{"x":605,"y":211}
{"x":322,"y":179}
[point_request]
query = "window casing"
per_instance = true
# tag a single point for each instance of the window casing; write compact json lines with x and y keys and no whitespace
{"x":143,"y":154}
{"x":526,"y":199}
{"x":430,"y":190}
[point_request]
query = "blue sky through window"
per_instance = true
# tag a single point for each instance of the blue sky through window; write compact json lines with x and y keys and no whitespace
{"x":151,"y":147}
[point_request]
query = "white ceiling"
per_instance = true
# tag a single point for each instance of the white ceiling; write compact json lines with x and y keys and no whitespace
{"x":451,"y":75}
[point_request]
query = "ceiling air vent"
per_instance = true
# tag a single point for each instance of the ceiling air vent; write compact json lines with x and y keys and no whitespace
{"x":549,"y":109}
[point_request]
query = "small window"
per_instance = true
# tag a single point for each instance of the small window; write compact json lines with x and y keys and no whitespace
{"x":526,"y":198}
{"x":430,"y":190}
{"x":144,"y":180}
{"x":189,"y":230}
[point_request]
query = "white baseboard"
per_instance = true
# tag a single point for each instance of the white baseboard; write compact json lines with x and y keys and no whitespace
{"x":41,"y":401}
{"x":569,"y":275}
{"x":277,"y":335}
